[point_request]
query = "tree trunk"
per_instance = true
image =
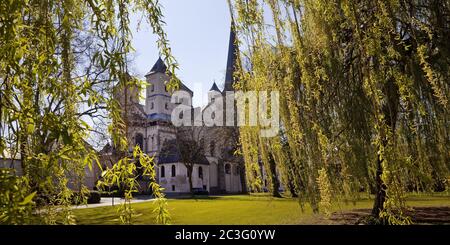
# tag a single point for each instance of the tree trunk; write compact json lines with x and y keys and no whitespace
{"x":390,"y":111}
{"x":189,"y":169}
{"x":273,"y":176}
{"x":290,"y":168}
{"x":380,"y":191}
{"x":291,"y":185}
{"x":190,"y":185}
{"x":242,"y":176}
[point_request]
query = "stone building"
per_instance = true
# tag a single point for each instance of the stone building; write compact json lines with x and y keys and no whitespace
{"x":216,"y":170}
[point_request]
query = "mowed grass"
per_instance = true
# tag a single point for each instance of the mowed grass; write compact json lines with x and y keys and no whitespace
{"x":239,"y":209}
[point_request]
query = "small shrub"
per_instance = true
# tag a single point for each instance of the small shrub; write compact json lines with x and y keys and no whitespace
{"x":114,"y":193}
{"x":94,"y":197}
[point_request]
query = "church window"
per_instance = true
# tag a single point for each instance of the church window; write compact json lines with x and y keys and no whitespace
{"x":139,"y":140}
{"x":227,"y":168}
{"x":163,"y":172}
{"x":152,"y":88}
{"x":200,"y":172}
{"x":181,"y":115}
{"x":213,"y":115}
{"x":152,"y":105}
{"x":166,"y":106}
{"x":173,"y":171}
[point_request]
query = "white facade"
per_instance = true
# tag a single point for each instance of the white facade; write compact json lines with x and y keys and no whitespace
{"x":150,"y":127}
{"x":175,"y":177}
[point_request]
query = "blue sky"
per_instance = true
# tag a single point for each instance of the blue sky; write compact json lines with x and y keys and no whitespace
{"x":198,"y":31}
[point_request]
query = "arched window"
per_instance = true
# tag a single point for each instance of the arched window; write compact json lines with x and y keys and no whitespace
{"x":227,"y":168}
{"x":213,"y":115}
{"x":212,"y":148}
{"x":166,"y":106}
{"x":181,"y":115}
{"x":139,"y":140}
{"x":200,"y":172}
{"x":173,"y":171}
{"x":152,"y":88}
{"x":163,"y":172}
{"x":152,"y":105}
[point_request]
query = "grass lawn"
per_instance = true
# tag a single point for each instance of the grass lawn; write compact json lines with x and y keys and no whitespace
{"x":239,"y":209}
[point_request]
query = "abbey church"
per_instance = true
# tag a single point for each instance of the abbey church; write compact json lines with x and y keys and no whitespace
{"x":216,"y":168}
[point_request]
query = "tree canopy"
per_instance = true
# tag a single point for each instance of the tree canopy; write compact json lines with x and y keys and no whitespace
{"x":365,"y":100}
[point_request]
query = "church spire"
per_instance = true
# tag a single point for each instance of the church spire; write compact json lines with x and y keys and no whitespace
{"x":158,"y":67}
{"x":214,"y":87}
{"x":232,"y":60}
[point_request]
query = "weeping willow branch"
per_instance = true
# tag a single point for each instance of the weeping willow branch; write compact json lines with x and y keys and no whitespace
{"x":365,"y":93}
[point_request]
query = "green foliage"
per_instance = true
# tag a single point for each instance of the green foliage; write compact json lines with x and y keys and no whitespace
{"x":123,"y":174}
{"x":325,"y":203}
{"x":15,"y":205}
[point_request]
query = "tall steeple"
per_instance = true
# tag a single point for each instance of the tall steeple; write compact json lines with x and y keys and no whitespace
{"x":232,"y":60}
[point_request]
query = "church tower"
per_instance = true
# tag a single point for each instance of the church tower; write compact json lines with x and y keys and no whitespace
{"x":157,"y":99}
{"x":157,"y":102}
{"x":232,"y":60}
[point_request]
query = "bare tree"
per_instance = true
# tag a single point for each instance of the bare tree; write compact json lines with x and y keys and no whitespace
{"x":191,"y":149}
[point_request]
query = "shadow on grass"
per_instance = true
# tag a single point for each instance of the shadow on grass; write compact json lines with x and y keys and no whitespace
{"x":194,"y":197}
{"x":419,"y":215}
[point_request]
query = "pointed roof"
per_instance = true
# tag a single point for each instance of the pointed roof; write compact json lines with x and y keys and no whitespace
{"x":231,"y":60}
{"x":158,"y":67}
{"x":214,"y":87}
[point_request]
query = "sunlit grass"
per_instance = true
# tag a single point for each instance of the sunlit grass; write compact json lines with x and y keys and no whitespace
{"x":238,"y":209}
